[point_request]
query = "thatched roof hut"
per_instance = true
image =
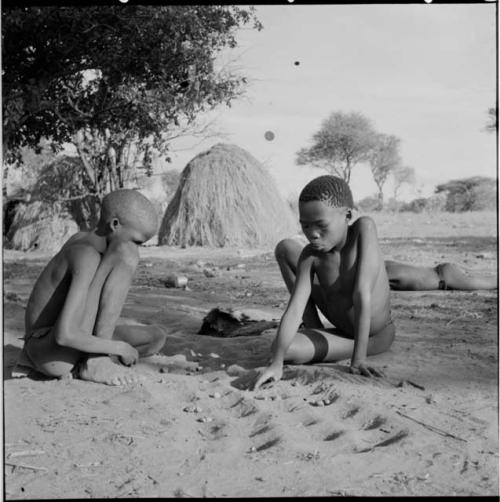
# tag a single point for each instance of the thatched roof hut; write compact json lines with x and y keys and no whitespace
{"x":226,"y":198}
{"x":40,"y":226}
{"x":55,"y":210}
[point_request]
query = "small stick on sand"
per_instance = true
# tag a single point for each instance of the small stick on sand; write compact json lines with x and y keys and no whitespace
{"x":26,"y":466}
{"x":432,"y":427}
{"x":25,"y":453}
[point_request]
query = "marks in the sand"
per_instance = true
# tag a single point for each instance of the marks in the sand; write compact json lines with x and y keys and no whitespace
{"x":333,"y":436}
{"x":351,"y":412}
{"x":268,"y":444}
{"x":375,"y":423}
{"x":310,"y":421}
{"x":386,"y":442}
{"x":322,"y":418}
{"x":261,"y":430}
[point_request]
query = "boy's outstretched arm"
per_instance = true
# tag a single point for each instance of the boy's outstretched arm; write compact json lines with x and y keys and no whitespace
{"x":70,"y":329}
{"x":366,"y":275}
{"x":290,"y":321}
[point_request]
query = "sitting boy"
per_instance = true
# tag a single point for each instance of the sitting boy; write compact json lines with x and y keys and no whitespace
{"x":71,"y":315}
{"x":341,"y":272}
{"x":405,"y":277}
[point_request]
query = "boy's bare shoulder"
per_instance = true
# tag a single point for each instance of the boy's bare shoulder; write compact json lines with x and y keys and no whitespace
{"x":364,"y":225}
{"x":81,"y":254}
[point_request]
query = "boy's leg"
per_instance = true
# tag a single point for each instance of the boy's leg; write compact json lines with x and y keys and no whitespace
{"x":454,"y":277}
{"x":404,"y":277}
{"x":147,"y":339}
{"x":287,"y":253}
{"x":315,"y":345}
{"x":43,"y":354}
{"x":112,"y":283}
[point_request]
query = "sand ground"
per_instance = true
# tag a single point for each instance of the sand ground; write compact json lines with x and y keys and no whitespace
{"x":193,"y":429}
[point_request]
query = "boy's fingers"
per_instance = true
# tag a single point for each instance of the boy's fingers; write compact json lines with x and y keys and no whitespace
{"x":365,"y":371}
{"x":261,"y":380}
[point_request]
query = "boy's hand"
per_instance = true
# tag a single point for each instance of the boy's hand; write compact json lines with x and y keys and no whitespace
{"x":365,"y":370}
{"x":128,"y":355}
{"x":272,"y":372}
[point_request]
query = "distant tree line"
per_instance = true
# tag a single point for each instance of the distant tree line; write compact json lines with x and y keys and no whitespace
{"x":345,"y":140}
{"x":477,"y":193}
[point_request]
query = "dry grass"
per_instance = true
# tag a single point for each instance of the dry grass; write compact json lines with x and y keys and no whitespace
{"x":226,"y":198}
{"x":40,"y":226}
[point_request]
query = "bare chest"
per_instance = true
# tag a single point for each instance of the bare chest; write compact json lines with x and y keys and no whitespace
{"x":336,"y":274}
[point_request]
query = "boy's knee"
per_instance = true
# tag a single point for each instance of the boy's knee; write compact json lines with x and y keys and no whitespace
{"x":283,"y":248}
{"x":127,"y":254}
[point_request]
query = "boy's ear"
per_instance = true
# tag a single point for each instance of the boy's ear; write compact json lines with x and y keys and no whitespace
{"x":348,"y":214}
{"x":114,"y":224}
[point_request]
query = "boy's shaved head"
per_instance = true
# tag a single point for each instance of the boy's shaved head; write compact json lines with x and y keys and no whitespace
{"x":131,"y":208}
{"x":330,"y":189}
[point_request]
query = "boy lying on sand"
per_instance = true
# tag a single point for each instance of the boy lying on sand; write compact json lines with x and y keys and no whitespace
{"x":341,"y":272}
{"x":71,"y":315}
{"x":404,"y":277}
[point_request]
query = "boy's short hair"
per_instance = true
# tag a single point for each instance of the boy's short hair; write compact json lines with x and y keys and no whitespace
{"x":330,"y":189}
{"x":131,"y":208}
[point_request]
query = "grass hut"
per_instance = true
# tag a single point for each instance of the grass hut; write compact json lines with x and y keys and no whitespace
{"x":226,"y":197}
{"x":40,"y":226}
{"x":55,"y":210}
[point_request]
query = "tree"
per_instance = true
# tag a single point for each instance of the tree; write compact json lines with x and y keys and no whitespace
{"x":384,"y":159}
{"x":402,"y":175}
{"x":343,"y":140}
{"x":115,"y":81}
{"x":492,"y":115}
{"x":469,"y":194}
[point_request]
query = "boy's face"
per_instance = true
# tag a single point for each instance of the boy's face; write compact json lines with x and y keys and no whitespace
{"x":323,"y":225}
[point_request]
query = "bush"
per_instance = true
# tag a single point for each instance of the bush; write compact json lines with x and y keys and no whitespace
{"x":469,"y":194}
{"x":369,"y":204}
{"x":434,"y":203}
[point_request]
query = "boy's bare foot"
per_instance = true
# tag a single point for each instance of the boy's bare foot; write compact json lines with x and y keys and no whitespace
{"x":103,"y":370}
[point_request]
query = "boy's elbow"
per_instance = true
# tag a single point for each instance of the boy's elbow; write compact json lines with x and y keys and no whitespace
{"x":64,"y":338}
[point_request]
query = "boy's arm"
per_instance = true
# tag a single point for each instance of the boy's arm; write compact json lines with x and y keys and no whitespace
{"x":368,"y":258}
{"x":70,"y":330}
{"x":290,"y":321}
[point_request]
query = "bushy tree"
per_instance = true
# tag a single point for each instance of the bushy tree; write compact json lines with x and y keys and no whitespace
{"x":384,"y":159}
{"x":469,"y":194}
{"x":344,"y":140}
{"x":491,"y":126}
{"x":114,"y":80}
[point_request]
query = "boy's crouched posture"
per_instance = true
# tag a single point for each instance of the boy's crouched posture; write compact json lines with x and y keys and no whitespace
{"x":341,"y":272}
{"x":72,"y":312}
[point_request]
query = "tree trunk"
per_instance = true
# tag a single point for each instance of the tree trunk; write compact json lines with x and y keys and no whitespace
{"x":380,"y":199}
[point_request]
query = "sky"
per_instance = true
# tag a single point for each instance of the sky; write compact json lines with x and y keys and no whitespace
{"x":422,"y":72}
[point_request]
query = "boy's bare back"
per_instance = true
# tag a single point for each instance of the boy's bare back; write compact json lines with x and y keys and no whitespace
{"x":79,"y":255}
